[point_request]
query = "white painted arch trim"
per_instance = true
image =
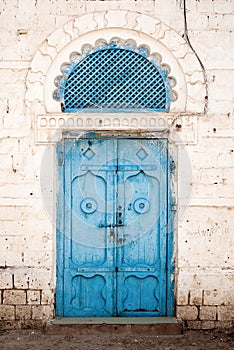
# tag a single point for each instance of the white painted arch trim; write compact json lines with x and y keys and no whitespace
{"x":124,"y":24}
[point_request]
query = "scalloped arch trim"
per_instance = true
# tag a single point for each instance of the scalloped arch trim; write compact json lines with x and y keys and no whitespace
{"x":115,"y":76}
{"x":143,"y":29}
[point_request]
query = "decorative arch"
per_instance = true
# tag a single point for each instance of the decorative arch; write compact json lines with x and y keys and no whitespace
{"x":115,"y":76}
{"x":145,"y":31}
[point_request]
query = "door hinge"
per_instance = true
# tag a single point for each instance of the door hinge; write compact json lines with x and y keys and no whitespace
{"x":173,"y":207}
{"x":60,"y":158}
{"x":172,"y":167}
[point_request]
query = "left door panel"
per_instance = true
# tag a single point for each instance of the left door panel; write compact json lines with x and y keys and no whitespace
{"x":88,"y":265}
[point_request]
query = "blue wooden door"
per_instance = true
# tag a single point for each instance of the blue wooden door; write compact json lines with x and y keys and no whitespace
{"x":113,"y":229}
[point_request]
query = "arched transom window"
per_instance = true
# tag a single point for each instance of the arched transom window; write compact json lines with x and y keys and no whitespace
{"x":115,"y":76}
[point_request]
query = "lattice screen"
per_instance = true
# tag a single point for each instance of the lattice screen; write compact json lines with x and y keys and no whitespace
{"x":113,"y":78}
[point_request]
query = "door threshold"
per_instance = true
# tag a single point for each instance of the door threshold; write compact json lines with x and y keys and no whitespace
{"x":120,"y":325}
{"x":113,"y":320}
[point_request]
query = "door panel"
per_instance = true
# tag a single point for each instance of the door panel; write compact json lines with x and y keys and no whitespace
{"x":87,"y":211}
{"x":89,"y":251}
{"x":141,"y":194}
{"x":115,"y":225}
{"x":140,"y":291}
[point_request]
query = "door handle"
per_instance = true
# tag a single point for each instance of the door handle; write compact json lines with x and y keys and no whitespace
{"x":111,"y":226}
{"x":119,"y":217}
{"x":101,"y":225}
{"x":112,"y":234}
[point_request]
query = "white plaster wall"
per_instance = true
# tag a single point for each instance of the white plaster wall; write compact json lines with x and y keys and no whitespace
{"x":205,"y":152}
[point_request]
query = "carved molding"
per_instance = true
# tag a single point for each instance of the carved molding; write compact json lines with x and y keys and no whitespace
{"x":179,"y":128}
{"x":144,"y":29}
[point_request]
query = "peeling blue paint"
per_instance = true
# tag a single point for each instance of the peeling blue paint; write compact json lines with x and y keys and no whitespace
{"x":106,"y":279}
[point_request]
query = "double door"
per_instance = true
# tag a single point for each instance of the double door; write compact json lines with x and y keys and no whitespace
{"x":112,"y":228}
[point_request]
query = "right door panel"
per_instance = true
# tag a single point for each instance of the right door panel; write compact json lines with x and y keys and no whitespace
{"x":141,"y":222}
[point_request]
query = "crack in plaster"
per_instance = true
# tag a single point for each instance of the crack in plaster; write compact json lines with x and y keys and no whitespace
{"x":95,"y":19}
{"x":75,"y":29}
{"x":159,"y":32}
{"x":189,"y":78}
{"x":66,"y":31}
{"x":45,"y":54}
{"x":49,"y":50}
{"x":120,"y":17}
{"x":185,"y":55}
{"x":136,"y":20}
{"x":106,"y":20}
{"x":50,"y":45}
{"x":58,"y":39}
{"x":85,"y":23}
{"x":125,"y":18}
{"x":164,"y":33}
{"x":193,"y":100}
{"x":35,"y":77}
{"x":171,"y":39}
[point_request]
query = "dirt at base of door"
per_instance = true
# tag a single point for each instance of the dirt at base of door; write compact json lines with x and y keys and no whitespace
{"x":37,"y":340}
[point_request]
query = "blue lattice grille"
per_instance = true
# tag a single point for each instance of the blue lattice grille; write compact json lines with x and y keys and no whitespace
{"x":113,"y":78}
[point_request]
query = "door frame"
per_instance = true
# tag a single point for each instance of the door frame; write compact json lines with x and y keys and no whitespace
{"x":170,"y":243}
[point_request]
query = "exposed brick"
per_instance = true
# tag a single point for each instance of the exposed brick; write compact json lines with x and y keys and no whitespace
{"x":229,"y":297}
{"x":47,"y":297}
{"x":14,"y":297}
{"x":41,"y":312}
{"x":205,"y":238}
{"x":216,"y":57}
{"x":196,"y":297}
{"x":187,"y":312}
{"x":5,"y":281}
{"x":23,"y":324}
{"x":23,"y":312}
{"x":214,"y":297}
{"x":194,"y":324}
{"x":208,"y":313}
{"x":182,"y":298}
{"x":39,"y":281}
{"x":10,"y":259}
{"x":7,"y":312}
{"x":21,"y":281}
{"x":33,"y":297}
{"x":226,"y":313}
{"x":207,"y":325}
{"x":19,"y":212}
{"x":224,"y":324}
{"x":223,"y":6}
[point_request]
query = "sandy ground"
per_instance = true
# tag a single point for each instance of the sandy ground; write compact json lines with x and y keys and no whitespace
{"x":32,"y":339}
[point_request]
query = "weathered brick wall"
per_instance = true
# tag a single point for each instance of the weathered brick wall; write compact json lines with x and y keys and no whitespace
{"x":32,"y":35}
{"x":26,"y":297}
{"x":205,"y":236}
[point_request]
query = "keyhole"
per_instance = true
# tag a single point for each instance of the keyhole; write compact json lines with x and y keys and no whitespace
{"x":141,"y":205}
{"x":120,"y":218}
{"x":89,"y":205}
